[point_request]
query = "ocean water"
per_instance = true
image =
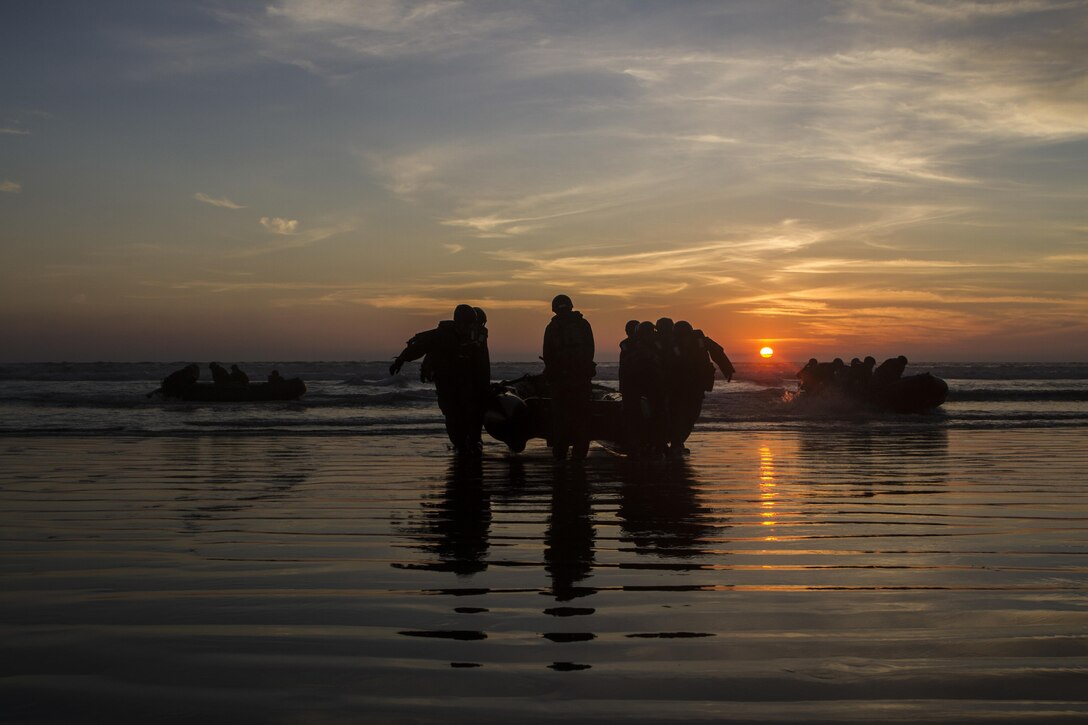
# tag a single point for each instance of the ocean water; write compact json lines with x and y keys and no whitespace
{"x":360,"y":398}
{"x":330,"y":561}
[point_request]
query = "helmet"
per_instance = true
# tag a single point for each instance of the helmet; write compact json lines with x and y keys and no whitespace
{"x":464,"y":315}
{"x":682,"y":327}
{"x":561,"y":302}
{"x":631,"y":327}
{"x":664,"y":325}
{"x":481,"y":316}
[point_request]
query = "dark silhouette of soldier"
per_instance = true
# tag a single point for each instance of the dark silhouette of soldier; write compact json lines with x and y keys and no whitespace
{"x":455,"y":358}
{"x":693,"y":371}
{"x":481,"y":337}
{"x":807,"y":375}
{"x":237,"y":376}
{"x":220,"y":376}
{"x":175,"y":383}
{"x":889,"y":371}
{"x":569,"y":370}
{"x":642,"y":388}
{"x":687,"y":384}
{"x":627,"y":344}
{"x":668,"y":356}
{"x":858,"y":377}
{"x":275,"y":378}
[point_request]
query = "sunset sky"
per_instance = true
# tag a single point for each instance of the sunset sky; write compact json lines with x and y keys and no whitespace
{"x":317,"y":179}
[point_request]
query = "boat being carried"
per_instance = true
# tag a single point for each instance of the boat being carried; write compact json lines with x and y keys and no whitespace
{"x":884,"y":387}
{"x":520,"y":410}
{"x":183,"y":385}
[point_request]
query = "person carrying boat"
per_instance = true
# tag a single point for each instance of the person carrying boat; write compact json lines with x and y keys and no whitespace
{"x":641,"y":388}
{"x":696,"y":355}
{"x":220,"y":376}
{"x":237,"y":376}
{"x":455,"y":359}
{"x":569,"y":370}
{"x":889,"y":371}
{"x":177,"y":382}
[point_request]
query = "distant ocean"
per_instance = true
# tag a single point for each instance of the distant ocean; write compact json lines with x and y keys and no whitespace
{"x":360,"y":398}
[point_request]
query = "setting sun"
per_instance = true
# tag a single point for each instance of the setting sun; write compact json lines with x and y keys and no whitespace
{"x":766,"y":352}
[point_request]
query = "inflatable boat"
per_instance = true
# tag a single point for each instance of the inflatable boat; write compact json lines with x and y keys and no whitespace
{"x":290,"y":389}
{"x":521,"y":410}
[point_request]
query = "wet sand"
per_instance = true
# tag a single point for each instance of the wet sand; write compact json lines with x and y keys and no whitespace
{"x":837,"y":575}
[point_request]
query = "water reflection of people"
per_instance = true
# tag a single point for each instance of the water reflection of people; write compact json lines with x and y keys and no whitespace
{"x":661,"y":512}
{"x":568,"y":541}
{"x":459,"y":519}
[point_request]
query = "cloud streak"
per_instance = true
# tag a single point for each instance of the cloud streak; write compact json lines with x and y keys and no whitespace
{"x":221,"y":202}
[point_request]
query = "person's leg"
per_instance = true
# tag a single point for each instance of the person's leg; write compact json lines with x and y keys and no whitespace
{"x":580,"y":411}
{"x":560,"y":433}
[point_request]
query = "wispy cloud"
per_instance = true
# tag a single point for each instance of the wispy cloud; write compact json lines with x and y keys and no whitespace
{"x":10,"y":187}
{"x":221,"y":202}
{"x":14,"y":131}
{"x":291,"y":237}
{"x":279,"y":225}
{"x":328,"y":37}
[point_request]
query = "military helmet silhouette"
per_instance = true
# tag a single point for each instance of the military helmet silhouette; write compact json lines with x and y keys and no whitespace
{"x":464,"y":315}
{"x":561,"y":302}
{"x":481,"y":316}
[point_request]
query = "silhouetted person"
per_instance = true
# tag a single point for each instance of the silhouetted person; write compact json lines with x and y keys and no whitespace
{"x":807,"y":375}
{"x":176,"y":382}
{"x":694,"y":375}
{"x":858,"y":377}
{"x":642,"y":389}
{"x":237,"y":376}
{"x":889,"y":371}
{"x":220,"y":376}
{"x":275,"y":378}
{"x":569,"y":370}
{"x":630,"y":329}
{"x":668,"y":355}
{"x":481,"y":333}
{"x":456,"y":360}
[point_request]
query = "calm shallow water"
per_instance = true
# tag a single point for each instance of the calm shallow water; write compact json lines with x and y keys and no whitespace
{"x":835,"y":573}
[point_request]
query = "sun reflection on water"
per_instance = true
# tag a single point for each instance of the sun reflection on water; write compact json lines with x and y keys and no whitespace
{"x":768,"y":497}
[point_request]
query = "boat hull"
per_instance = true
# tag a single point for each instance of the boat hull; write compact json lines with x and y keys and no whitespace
{"x":292,"y":389}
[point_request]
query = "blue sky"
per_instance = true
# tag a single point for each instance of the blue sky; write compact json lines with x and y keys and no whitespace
{"x":319,"y":179}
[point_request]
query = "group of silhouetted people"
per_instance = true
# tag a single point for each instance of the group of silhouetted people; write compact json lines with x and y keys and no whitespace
{"x":859,"y":379}
{"x":175,"y":384}
{"x":664,"y":372}
{"x":220,"y":375}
